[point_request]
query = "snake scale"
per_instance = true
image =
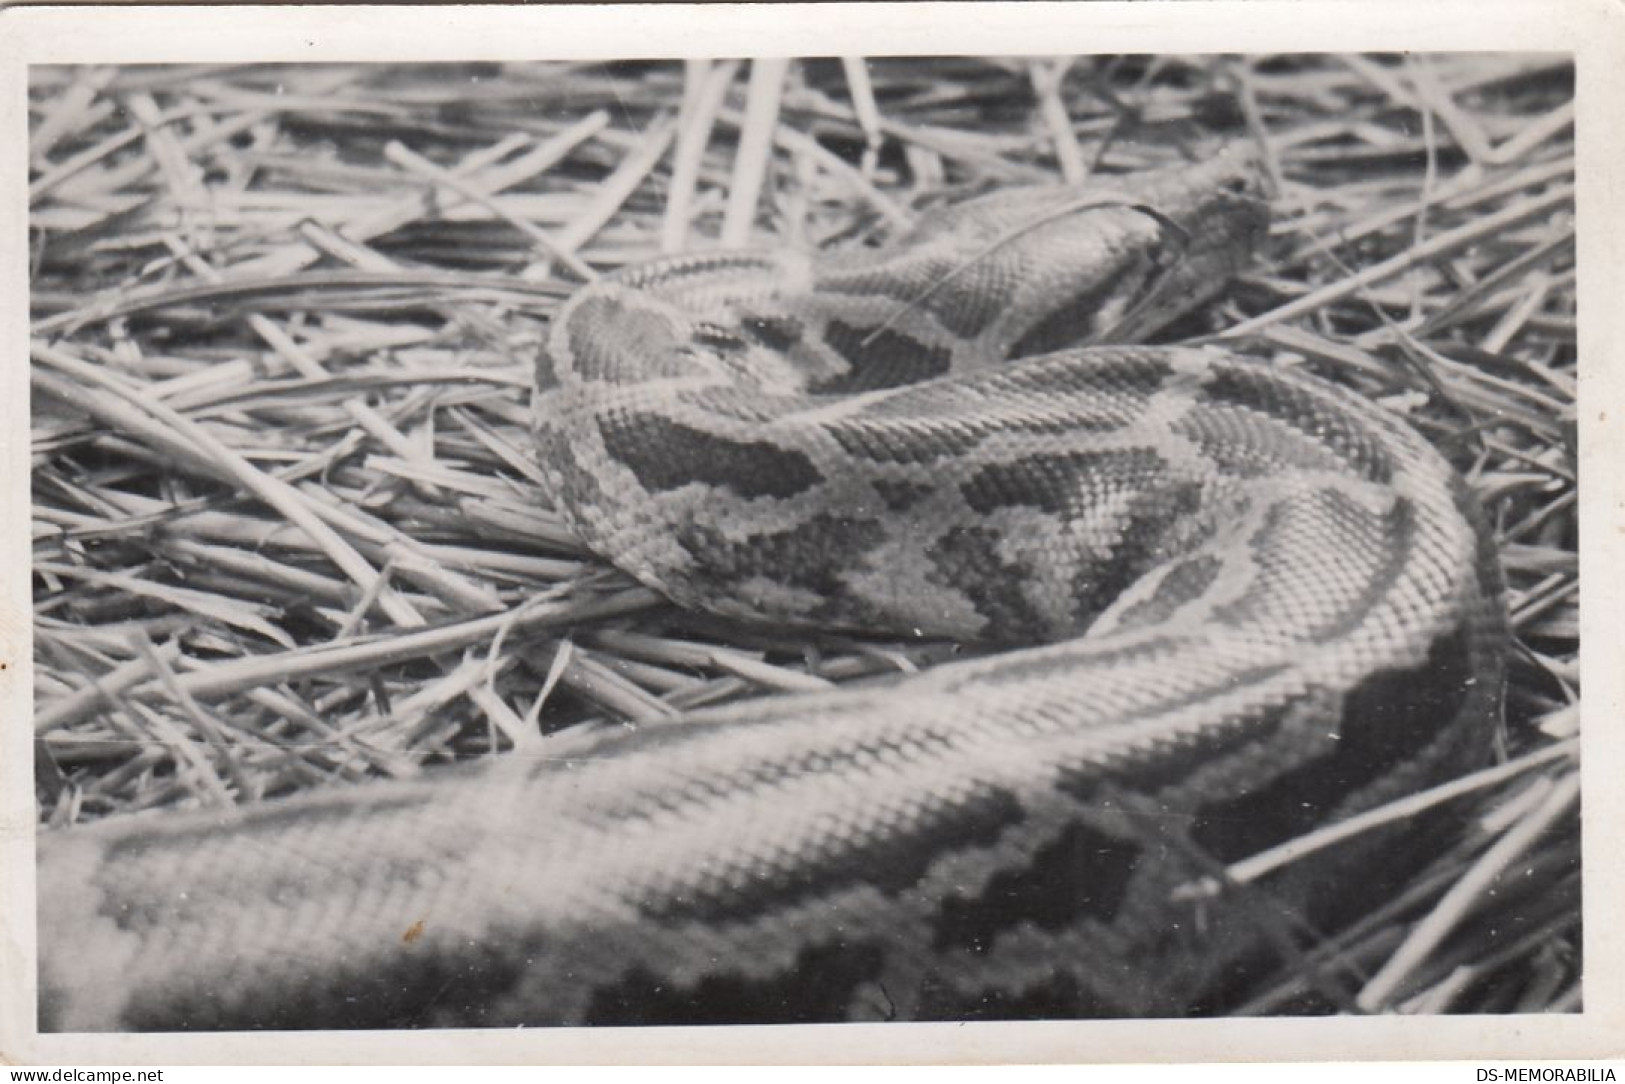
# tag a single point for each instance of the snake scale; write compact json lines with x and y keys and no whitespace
{"x":1252,"y":602}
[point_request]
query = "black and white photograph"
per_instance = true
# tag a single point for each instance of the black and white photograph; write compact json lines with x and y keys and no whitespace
{"x":709,"y":537}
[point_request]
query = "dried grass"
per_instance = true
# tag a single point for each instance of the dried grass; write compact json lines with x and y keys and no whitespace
{"x":287,"y":533}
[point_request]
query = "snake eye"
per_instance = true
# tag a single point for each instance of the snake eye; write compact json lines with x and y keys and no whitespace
{"x":775,"y":333}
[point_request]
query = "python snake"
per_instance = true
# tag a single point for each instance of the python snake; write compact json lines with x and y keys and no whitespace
{"x":1259,"y":602}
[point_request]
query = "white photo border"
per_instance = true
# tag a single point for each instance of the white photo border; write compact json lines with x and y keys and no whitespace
{"x":1593,"y":31}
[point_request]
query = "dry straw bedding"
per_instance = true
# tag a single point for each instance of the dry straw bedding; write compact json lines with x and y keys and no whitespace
{"x":288,"y":533}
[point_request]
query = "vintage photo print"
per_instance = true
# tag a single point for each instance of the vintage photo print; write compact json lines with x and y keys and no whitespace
{"x":536,"y":538}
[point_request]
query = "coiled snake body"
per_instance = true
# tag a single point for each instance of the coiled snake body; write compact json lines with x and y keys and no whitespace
{"x":1262,"y":604}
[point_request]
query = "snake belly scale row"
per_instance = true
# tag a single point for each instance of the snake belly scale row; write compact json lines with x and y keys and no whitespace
{"x":1260,"y":604}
